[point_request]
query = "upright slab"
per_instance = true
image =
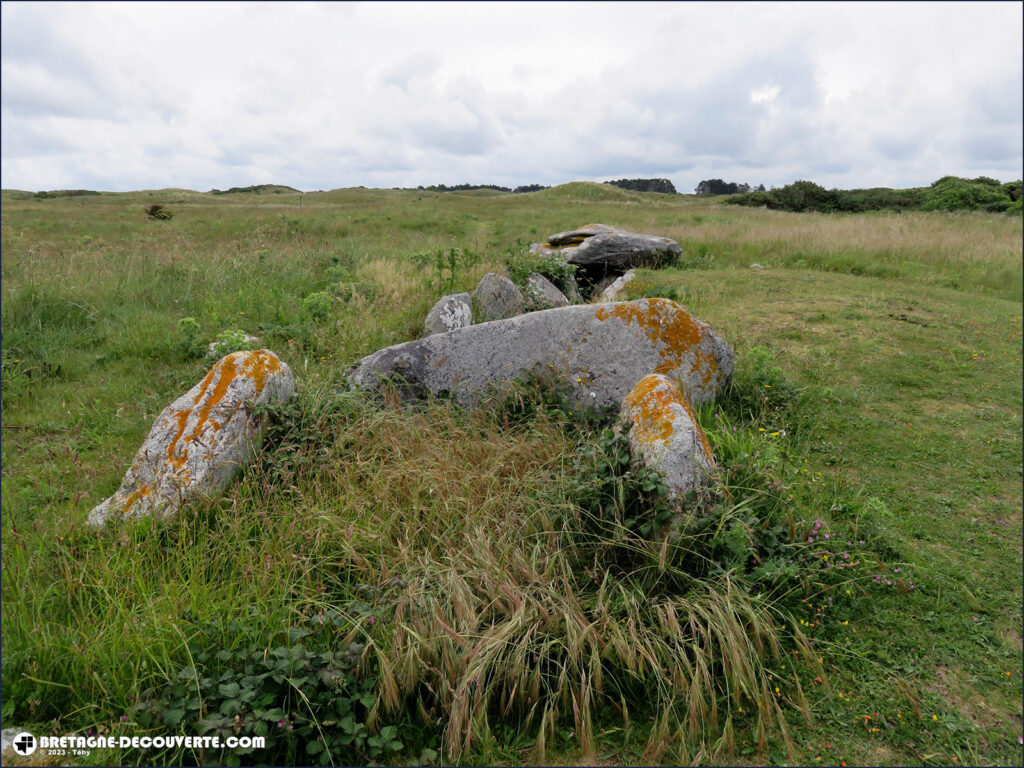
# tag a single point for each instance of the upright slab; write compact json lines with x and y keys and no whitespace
{"x":201,"y":440}
{"x":663,"y":434}
{"x":601,"y":352}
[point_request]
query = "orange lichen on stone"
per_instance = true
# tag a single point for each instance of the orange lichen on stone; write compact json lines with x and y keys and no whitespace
{"x":256,"y":365}
{"x":672,"y":330}
{"x":182,"y":418}
{"x":133,"y":497}
{"x":653,"y":406}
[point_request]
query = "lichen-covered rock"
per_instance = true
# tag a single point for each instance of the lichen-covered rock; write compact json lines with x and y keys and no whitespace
{"x":601,"y":351}
{"x":450,"y":312}
{"x":614,"y":290}
{"x":541,"y":293}
{"x":664,"y":435}
{"x":201,"y":439}
{"x":496,"y":298}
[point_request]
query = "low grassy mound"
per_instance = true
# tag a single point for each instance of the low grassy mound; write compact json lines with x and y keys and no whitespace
{"x":257,"y":189}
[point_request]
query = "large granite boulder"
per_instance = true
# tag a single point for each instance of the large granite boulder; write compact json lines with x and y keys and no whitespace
{"x":201,"y":439}
{"x":611,"y":249}
{"x":600,"y":351}
{"x":496,"y":298}
{"x":620,"y":250}
{"x":450,"y":312}
{"x":541,"y":293}
{"x":664,"y":435}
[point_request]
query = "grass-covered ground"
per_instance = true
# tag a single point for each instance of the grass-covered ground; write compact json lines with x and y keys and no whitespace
{"x":500,"y":602}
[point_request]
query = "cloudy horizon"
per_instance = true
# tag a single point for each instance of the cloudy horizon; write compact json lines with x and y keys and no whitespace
{"x":128,"y":96}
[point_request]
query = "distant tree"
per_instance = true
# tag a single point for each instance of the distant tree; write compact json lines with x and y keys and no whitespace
{"x":719,"y":187}
{"x":645,"y":185}
{"x":530,"y":188}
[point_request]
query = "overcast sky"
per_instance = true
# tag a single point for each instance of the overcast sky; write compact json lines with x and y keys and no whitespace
{"x":127,"y":96}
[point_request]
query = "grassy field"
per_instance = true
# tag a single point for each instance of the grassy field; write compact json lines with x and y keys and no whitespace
{"x":878,"y":393}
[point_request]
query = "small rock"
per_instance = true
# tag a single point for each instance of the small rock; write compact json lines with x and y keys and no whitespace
{"x":497,"y":298}
{"x":201,"y":439}
{"x":755,"y":265}
{"x":450,"y":312}
{"x":541,"y":293}
{"x":664,"y":435}
{"x":614,"y":290}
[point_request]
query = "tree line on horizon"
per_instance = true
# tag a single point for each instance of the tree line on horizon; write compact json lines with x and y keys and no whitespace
{"x":950,"y":193}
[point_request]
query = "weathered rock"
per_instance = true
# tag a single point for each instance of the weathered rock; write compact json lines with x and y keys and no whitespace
{"x":601,"y":351}
{"x":614,"y":290}
{"x":664,"y":435}
{"x":496,"y":298}
{"x":541,"y":293}
{"x":450,"y":312}
{"x":619,"y":250}
{"x":201,"y":440}
{"x":572,"y":291}
{"x":577,"y":236}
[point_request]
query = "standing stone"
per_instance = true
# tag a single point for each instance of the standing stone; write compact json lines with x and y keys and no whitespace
{"x":613,"y":291}
{"x":599,"y":351}
{"x":664,"y":435}
{"x":450,"y":312}
{"x":496,"y":298}
{"x":541,"y":293}
{"x":201,"y":440}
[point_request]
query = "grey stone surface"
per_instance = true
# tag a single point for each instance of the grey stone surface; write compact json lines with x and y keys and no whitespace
{"x":664,"y":435}
{"x":496,"y":298}
{"x":200,"y":440}
{"x":577,"y":236}
{"x":613,"y":290}
{"x":601,"y":351}
{"x":599,"y":249}
{"x":450,"y":312}
{"x":541,"y":293}
{"x":621,"y":250}
{"x":572,"y":292}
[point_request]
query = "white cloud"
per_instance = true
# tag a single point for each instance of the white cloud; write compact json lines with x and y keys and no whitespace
{"x":202,"y":95}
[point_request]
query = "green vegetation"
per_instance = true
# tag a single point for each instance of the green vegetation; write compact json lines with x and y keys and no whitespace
{"x":257,"y":189}
{"x":420,"y":584}
{"x":950,"y":193}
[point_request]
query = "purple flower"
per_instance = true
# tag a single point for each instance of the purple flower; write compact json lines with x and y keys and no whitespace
{"x":124,"y":717}
{"x":280,"y":723}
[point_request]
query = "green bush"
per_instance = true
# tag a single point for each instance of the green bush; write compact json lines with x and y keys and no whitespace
{"x":521,"y":264}
{"x":309,"y":694}
{"x":317,"y":305}
{"x":190,"y":345}
{"x":230,"y":341}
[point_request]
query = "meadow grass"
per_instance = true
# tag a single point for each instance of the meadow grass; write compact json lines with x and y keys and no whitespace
{"x":878,"y":393}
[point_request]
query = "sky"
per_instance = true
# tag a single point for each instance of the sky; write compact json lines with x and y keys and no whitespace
{"x":129,"y":96}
